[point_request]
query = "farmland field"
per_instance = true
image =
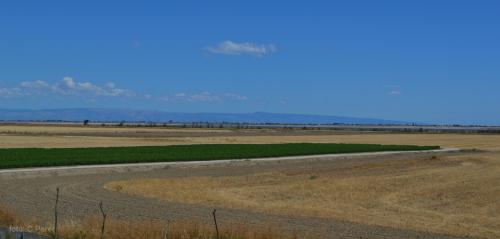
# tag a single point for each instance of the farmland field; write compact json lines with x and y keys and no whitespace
{"x":410,"y":195}
{"x":34,"y":157}
{"x":39,"y":136}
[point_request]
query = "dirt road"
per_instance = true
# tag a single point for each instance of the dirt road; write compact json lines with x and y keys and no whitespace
{"x":32,"y":194}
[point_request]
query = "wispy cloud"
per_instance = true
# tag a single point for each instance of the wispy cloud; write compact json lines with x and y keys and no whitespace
{"x":35,"y":84}
{"x":204,"y":97}
{"x":245,"y":48}
{"x":393,"y":90}
{"x":235,"y":97}
{"x":88,"y":91}
{"x":10,"y":92}
{"x":66,"y":87}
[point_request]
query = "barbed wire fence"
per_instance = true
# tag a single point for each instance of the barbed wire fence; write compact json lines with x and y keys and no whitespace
{"x":14,"y":232}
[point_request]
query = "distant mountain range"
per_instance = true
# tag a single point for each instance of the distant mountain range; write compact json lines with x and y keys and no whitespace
{"x":114,"y":115}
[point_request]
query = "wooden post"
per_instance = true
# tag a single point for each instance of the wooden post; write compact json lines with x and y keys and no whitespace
{"x":55,"y":214}
{"x":167,"y":227}
{"x":215,"y":222}
{"x":103,"y":220}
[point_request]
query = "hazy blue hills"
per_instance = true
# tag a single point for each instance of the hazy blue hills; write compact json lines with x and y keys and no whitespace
{"x":113,"y":115}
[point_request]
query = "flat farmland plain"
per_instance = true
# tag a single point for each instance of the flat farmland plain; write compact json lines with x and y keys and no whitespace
{"x":39,"y":136}
{"x":441,"y":194}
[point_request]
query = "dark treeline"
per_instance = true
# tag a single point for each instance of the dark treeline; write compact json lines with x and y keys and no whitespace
{"x":410,"y":128}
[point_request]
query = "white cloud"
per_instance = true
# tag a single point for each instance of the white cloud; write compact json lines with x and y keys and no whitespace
{"x":197,"y":97}
{"x":110,"y":85}
{"x":235,"y":97}
{"x":394,"y":92}
{"x":69,"y":82}
{"x":88,"y":91}
{"x":87,"y":86}
{"x":10,"y":92}
{"x":202,"y":97}
{"x":72,"y":87}
{"x":66,"y":87}
{"x":119,"y":93}
{"x":233,"y":48}
{"x":35,"y":84}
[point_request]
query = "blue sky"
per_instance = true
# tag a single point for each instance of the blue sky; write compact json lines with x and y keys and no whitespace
{"x":426,"y":61}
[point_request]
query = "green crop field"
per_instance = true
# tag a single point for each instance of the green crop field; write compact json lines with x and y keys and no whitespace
{"x":39,"y":157}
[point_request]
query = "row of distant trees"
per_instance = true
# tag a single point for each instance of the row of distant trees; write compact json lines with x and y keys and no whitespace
{"x":411,"y":128}
{"x":185,"y":125}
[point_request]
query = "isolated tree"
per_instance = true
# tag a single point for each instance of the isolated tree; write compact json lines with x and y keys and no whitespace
{"x":86,"y":122}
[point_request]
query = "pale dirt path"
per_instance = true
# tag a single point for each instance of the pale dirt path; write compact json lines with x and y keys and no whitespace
{"x":32,"y":194}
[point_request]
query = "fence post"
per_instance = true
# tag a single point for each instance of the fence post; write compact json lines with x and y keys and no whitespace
{"x":165,"y":236}
{"x":103,"y":220}
{"x":55,"y":214}
{"x":215,"y":222}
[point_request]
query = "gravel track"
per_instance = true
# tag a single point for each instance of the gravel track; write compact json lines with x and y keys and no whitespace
{"x":32,"y":194}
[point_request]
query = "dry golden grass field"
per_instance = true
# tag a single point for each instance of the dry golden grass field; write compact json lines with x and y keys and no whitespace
{"x":456,"y":194}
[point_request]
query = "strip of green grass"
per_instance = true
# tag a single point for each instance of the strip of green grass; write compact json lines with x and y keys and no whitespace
{"x":38,"y":157}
